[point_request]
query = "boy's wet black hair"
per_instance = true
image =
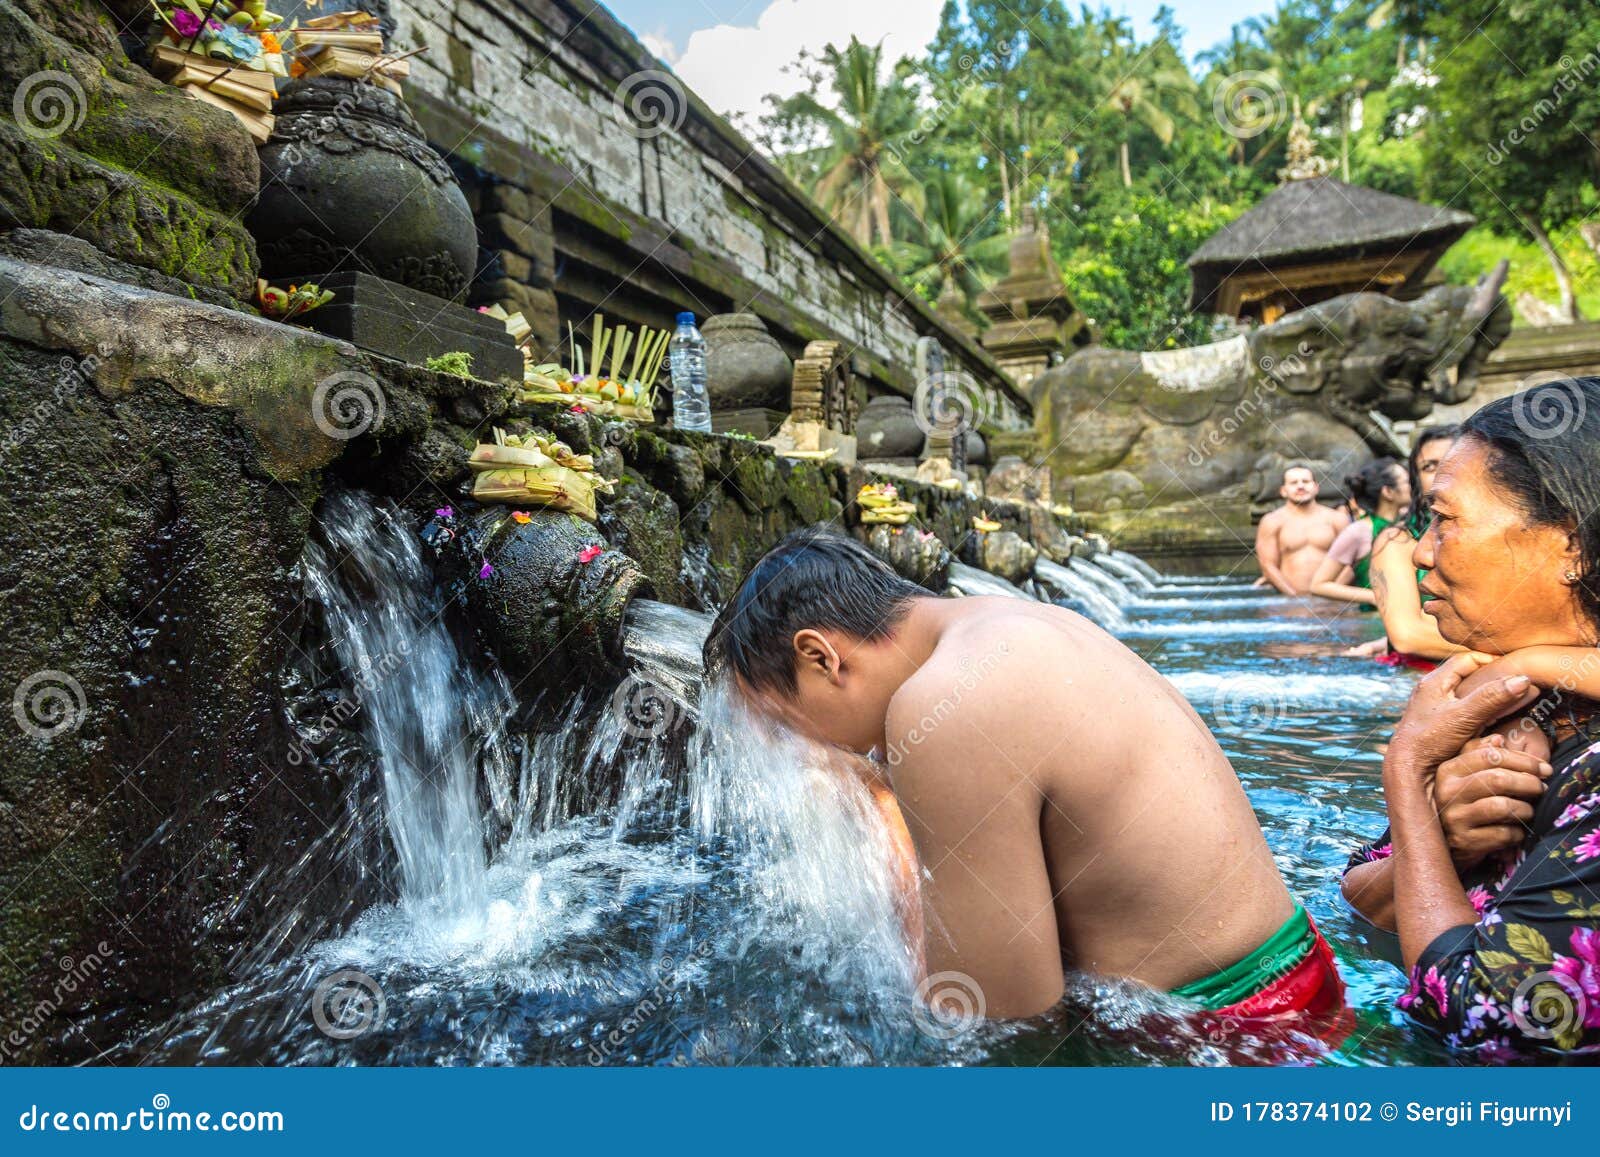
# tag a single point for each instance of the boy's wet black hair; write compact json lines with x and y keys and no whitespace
{"x":814,"y":578}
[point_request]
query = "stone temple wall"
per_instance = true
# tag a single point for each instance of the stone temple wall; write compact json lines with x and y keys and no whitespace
{"x":583,"y":205}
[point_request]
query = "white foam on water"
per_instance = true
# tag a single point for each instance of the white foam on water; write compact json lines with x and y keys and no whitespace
{"x":1204,"y":688}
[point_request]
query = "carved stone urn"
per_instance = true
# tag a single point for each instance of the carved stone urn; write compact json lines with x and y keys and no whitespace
{"x":745,"y":365}
{"x":349,"y":184}
{"x":887,"y":428}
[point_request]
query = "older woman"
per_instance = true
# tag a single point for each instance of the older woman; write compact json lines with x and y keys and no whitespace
{"x":1490,"y":871}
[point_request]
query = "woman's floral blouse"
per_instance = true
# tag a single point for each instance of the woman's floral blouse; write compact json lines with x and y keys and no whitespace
{"x":1526,"y":976}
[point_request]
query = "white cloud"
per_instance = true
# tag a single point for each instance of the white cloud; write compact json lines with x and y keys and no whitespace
{"x":661,"y":46}
{"x":732,"y":67}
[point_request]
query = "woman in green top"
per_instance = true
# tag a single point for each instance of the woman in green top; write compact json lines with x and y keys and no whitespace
{"x":1382,"y":488}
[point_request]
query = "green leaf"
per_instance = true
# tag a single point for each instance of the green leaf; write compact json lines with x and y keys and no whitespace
{"x":1529,"y":943}
{"x":1497,"y":959}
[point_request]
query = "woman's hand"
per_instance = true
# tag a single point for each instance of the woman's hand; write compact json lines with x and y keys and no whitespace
{"x":1438,"y":722}
{"x":1486,"y":795}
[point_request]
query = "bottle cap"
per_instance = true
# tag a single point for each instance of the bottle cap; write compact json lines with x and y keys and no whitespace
{"x":686,"y":319}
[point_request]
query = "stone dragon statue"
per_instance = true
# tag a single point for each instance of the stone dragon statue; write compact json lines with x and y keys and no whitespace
{"x":1125,"y":430}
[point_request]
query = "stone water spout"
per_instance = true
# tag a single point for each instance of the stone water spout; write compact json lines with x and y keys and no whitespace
{"x":546,"y":594}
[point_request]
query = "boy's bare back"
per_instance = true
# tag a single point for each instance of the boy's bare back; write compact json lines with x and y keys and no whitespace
{"x":1069,"y":806}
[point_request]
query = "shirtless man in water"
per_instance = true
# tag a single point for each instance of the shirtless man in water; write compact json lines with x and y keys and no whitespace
{"x":1067,"y":806}
{"x":1292,"y":540}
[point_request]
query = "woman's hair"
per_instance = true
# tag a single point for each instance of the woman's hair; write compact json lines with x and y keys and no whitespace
{"x":814,"y":578}
{"x":1367,"y":484}
{"x":1417,"y":517}
{"x":1544,"y":452}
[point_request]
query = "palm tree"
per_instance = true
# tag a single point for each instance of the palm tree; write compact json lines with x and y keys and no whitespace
{"x":1151,"y":87}
{"x":954,"y":242}
{"x":860,"y":168}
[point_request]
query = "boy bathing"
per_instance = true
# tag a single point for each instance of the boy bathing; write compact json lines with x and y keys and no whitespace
{"x":1068,"y":808}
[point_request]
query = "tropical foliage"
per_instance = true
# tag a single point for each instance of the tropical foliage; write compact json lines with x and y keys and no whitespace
{"x":1133,"y":150}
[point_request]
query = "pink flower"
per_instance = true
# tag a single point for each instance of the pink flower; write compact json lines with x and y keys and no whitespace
{"x":1588,"y":847}
{"x":1583,"y":969}
{"x":588,"y":554}
{"x":1576,"y":811}
{"x":1480,"y":899}
{"x":186,"y":22}
{"x":486,"y":570}
{"x":444,"y":512}
{"x":1429,"y":985}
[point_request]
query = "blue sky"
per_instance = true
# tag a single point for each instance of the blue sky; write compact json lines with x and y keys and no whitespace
{"x":731,"y":52}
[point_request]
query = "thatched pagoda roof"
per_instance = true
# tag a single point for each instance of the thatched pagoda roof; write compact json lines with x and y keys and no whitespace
{"x":1322,"y":220}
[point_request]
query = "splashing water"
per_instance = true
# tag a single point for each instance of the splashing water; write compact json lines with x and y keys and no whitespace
{"x":1067,"y":584}
{"x":431,"y":717}
{"x":679,"y":881}
{"x":971,"y":582}
{"x":1136,"y":575}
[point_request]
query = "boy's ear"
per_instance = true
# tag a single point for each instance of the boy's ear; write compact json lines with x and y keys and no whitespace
{"x":812,"y":649}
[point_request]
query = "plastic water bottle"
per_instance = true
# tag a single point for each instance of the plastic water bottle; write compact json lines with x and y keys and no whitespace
{"x":687,"y":356}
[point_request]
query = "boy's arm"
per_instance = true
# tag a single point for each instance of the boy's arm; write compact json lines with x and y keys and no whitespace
{"x":1575,"y":670}
{"x":991,"y":926}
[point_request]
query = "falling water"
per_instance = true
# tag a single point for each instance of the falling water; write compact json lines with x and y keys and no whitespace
{"x":970,"y":581}
{"x":1089,"y":571}
{"x":1134,"y":562}
{"x":684,"y":883}
{"x":1130,"y":572}
{"x":433,"y":721}
{"x":1064,"y":582}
